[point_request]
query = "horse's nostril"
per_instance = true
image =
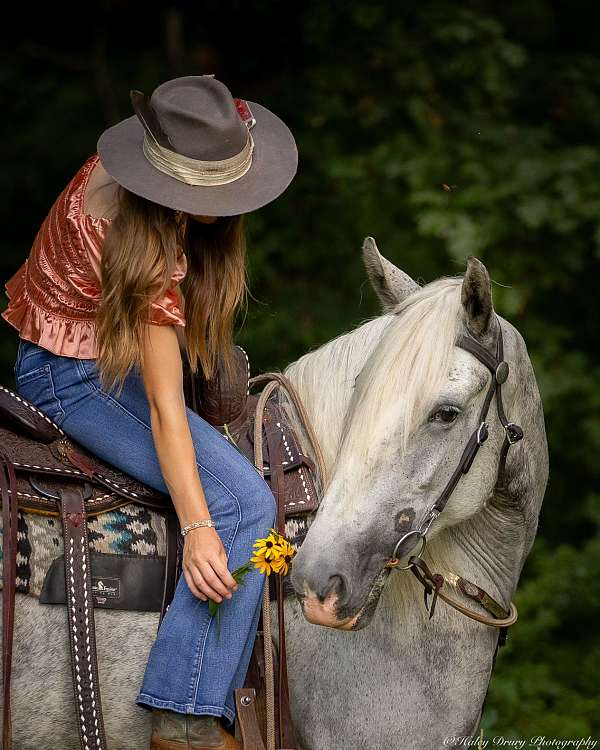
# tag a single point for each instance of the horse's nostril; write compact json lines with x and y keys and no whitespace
{"x":338,"y":583}
{"x":312,"y":579}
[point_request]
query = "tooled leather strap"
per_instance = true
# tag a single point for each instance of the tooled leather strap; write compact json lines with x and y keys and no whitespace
{"x":80,"y":610}
{"x":8,"y":491}
{"x":475,"y":592}
{"x":284,"y":727}
{"x":433,"y":584}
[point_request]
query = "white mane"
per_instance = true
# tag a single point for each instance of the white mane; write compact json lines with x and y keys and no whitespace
{"x":399,"y":361}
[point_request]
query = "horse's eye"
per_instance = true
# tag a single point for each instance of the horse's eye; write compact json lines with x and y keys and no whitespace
{"x":445,"y":414}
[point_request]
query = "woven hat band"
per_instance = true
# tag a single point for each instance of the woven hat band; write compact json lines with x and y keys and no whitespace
{"x":195,"y":171}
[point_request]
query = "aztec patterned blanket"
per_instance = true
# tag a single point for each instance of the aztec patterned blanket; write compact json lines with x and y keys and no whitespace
{"x":132,"y":530}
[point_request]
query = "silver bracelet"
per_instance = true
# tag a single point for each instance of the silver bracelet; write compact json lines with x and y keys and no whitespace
{"x":197,"y":524}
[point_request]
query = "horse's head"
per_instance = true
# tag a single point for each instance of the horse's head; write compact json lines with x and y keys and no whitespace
{"x":415,"y":403}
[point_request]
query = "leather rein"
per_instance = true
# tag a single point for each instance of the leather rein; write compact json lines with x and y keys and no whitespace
{"x":432,"y":583}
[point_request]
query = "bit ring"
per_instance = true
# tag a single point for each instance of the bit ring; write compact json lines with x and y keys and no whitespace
{"x":414,"y":532}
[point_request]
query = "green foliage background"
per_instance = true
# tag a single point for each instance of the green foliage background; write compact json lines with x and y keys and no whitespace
{"x":388,"y":101}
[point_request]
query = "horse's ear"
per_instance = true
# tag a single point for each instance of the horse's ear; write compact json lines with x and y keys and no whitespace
{"x":476,"y":297}
{"x":390,"y":283}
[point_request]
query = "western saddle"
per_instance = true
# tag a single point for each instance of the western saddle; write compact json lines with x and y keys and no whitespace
{"x":43,"y":470}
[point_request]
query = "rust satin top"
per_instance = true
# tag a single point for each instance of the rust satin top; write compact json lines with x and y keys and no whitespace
{"x":54,"y":295}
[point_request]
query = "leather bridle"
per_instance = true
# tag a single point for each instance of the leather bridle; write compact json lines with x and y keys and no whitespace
{"x":433,"y":582}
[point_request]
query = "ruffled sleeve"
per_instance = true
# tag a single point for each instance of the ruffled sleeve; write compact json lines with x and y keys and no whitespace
{"x":58,"y":334}
{"x":167,"y":310}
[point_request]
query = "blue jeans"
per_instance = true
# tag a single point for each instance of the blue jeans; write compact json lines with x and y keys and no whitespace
{"x":190,"y":669}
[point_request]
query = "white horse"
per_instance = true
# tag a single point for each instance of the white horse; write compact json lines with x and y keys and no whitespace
{"x":380,"y":399}
{"x":393,"y":404}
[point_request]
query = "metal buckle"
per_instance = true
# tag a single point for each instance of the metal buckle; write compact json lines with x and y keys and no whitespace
{"x":428,"y":520}
{"x":482,"y":433}
{"x":514,"y":433}
{"x":414,"y":532}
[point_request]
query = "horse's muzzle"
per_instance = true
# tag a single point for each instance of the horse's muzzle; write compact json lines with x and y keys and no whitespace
{"x":324,"y":612}
{"x":328,"y":612}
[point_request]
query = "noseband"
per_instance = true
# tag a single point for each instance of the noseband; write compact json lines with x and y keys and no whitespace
{"x":433,"y":582}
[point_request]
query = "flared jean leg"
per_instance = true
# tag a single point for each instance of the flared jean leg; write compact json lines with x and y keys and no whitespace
{"x":192,"y":668}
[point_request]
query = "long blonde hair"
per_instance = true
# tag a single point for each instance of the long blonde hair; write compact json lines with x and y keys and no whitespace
{"x":139,"y":256}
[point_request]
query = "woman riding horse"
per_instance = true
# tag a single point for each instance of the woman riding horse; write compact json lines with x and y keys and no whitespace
{"x":103,"y":327}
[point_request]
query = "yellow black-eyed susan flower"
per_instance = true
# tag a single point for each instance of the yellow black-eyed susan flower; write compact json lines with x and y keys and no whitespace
{"x":262,"y":563}
{"x":273,"y":554}
{"x":282,"y":563}
{"x":269,"y":547}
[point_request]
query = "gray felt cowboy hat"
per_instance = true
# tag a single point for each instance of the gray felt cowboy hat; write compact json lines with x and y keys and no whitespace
{"x":192,"y":147}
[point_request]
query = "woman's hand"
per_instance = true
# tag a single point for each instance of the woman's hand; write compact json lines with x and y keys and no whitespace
{"x":205,"y":565}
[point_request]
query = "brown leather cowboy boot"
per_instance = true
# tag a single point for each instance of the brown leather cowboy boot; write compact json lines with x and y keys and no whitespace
{"x":176,"y":731}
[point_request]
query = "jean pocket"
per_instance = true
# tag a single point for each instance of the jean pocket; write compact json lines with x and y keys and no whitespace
{"x":37,"y":387}
{"x":29,"y":356}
